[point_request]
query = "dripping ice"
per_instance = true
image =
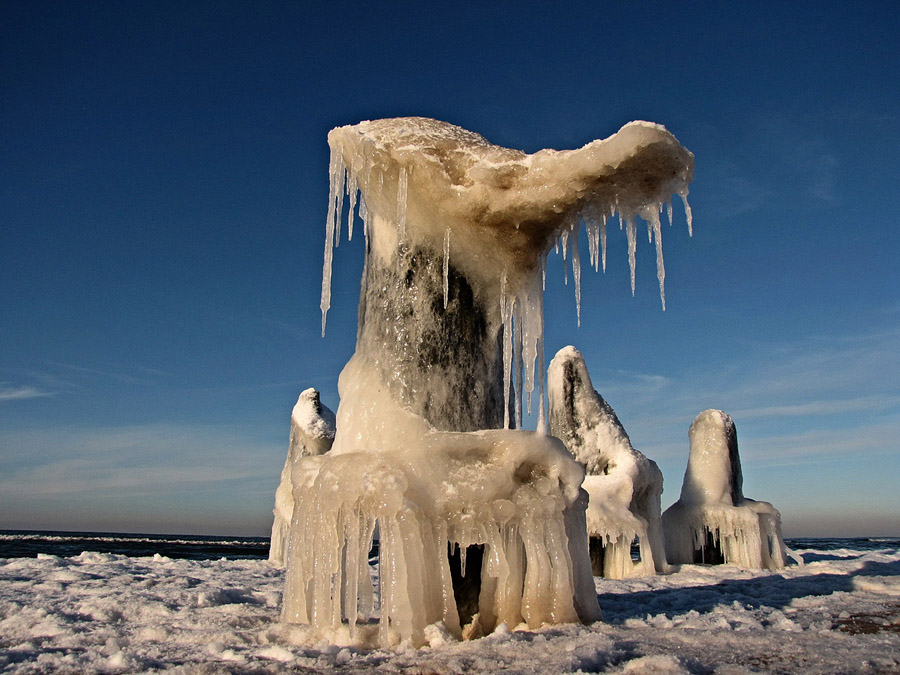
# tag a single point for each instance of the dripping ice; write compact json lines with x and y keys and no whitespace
{"x":528,"y":303}
{"x":420,"y":450}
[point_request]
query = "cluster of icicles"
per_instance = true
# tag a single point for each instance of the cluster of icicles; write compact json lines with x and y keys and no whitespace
{"x":328,"y":577}
{"x":522,"y":312}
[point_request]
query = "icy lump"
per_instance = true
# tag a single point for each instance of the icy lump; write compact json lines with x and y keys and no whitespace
{"x":312,"y":433}
{"x":479,"y":524}
{"x":624,"y":486}
{"x":713,"y":522}
{"x":506,"y":491}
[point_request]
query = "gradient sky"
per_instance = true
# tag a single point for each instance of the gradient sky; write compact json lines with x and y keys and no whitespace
{"x":163,"y":188}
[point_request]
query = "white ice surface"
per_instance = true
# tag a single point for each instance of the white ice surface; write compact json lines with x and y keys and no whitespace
{"x":109,"y":613}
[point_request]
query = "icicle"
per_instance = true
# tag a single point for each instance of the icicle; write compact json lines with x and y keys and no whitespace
{"x":687,"y":211}
{"x":339,"y":202}
{"x":446,"y":265}
{"x":532,"y":332}
{"x":631,"y":234}
{"x":576,"y":274}
{"x":402,"y":186}
{"x":352,"y":190}
{"x":544,"y":272}
{"x":462,"y":558}
{"x":669,"y":210}
{"x":660,"y":265}
{"x":649,"y":232}
{"x":335,"y":197}
{"x":603,"y":241}
{"x":542,"y":373}
{"x":506,"y":319}
{"x":564,"y":241}
{"x":517,"y":356}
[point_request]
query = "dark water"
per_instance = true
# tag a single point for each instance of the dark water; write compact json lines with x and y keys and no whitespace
{"x":854,"y":543}
{"x":28,"y":544}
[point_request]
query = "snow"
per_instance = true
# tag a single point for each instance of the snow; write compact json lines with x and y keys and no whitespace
{"x":712,"y":517}
{"x":108,"y":613}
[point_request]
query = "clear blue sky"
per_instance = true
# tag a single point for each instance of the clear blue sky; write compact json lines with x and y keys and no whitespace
{"x":163,"y":188}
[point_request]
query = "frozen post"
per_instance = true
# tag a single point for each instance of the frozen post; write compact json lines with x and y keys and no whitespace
{"x":479,"y":524}
{"x":624,"y":486}
{"x":713,"y":522}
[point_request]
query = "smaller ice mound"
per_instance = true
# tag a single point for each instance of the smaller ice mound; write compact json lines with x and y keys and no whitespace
{"x":624,"y":486}
{"x":713,"y":522}
{"x":312,"y":433}
{"x":507,"y":507}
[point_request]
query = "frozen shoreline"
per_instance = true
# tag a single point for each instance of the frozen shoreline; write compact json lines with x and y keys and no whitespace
{"x":110,"y":613}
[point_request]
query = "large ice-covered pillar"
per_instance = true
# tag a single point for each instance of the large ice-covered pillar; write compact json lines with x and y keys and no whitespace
{"x":449,"y":349}
{"x":713,"y":522}
{"x":457,"y":231}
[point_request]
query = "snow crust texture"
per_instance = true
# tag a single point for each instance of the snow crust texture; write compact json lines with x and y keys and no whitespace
{"x":103,"y":613}
{"x":312,"y":434}
{"x":713,"y":521}
{"x":624,"y":485}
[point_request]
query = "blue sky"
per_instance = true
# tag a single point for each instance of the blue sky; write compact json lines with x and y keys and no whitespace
{"x":163,"y":188}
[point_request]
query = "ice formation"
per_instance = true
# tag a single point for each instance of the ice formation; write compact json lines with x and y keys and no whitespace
{"x":713,"y":522}
{"x":480,"y":525}
{"x":312,"y":433}
{"x":624,"y":486}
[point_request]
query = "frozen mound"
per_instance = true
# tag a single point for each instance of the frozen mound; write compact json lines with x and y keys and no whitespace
{"x":497,"y":499}
{"x":479,"y":525}
{"x":624,"y":486}
{"x":312,"y":433}
{"x":713,"y":522}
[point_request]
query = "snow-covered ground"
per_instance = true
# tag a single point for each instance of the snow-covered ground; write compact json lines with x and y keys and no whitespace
{"x":109,"y":613}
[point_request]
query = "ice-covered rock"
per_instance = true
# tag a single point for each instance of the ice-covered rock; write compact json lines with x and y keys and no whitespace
{"x":713,"y":522}
{"x":449,"y":350}
{"x":312,"y":433}
{"x":624,"y":486}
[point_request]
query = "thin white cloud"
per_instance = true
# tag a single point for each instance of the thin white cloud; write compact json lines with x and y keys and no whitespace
{"x":815,"y":408}
{"x":134,"y":460}
{"x":857,"y":442}
{"x":18,"y":393}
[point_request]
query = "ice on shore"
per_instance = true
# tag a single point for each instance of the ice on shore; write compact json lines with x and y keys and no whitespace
{"x":481,"y":526}
{"x":624,"y":486}
{"x":312,"y":434}
{"x":713,"y":522}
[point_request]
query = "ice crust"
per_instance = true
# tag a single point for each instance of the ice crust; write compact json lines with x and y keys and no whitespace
{"x":713,"y":511}
{"x":449,"y":351}
{"x":624,"y":485}
{"x":312,"y":434}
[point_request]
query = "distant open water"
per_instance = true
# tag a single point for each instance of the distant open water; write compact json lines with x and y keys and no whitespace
{"x":30,"y":543}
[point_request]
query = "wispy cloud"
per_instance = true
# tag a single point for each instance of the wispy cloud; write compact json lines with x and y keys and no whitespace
{"x":815,"y":408}
{"x":137,"y":460}
{"x":17,"y":393}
